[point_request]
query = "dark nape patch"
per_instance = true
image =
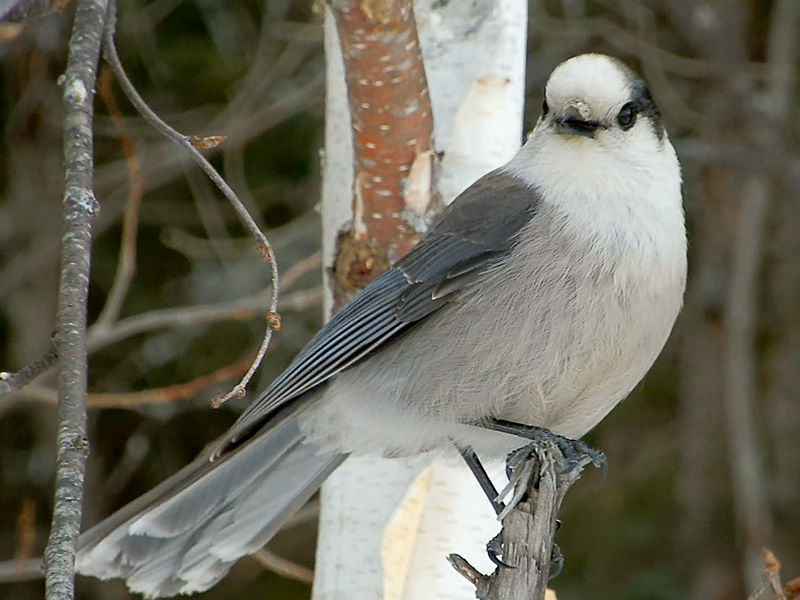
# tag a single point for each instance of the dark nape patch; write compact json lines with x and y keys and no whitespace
{"x":646,"y":105}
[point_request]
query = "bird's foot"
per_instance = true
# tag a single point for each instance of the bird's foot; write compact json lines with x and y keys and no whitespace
{"x":547,"y":453}
{"x":571,"y":453}
{"x":496,"y":554}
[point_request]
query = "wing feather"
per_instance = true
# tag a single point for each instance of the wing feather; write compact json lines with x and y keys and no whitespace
{"x":478,"y":229}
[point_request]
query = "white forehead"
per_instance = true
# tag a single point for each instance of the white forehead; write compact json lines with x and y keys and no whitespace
{"x":599,"y":81}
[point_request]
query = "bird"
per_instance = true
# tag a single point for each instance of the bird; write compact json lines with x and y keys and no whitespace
{"x":541,"y":297}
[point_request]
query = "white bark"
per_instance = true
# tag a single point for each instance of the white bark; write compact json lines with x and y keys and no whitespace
{"x":387,"y":525}
{"x":359,"y":498}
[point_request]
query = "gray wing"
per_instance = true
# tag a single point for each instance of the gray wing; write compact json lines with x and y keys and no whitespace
{"x":478,"y":229}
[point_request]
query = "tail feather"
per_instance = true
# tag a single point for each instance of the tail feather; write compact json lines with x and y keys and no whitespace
{"x":184,"y":535}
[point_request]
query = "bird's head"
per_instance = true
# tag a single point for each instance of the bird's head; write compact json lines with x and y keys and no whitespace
{"x":600,"y":147}
{"x":598,"y":97}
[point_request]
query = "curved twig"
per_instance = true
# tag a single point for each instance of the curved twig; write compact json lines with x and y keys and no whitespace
{"x":283,"y":566}
{"x":193,"y":145}
{"x":126,"y":267}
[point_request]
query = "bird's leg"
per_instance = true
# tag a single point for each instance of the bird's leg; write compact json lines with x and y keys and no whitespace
{"x":474,"y":464}
{"x":494,"y":548}
{"x":576,"y":453}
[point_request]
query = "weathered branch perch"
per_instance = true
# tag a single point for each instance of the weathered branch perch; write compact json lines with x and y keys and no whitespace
{"x":528,"y":532}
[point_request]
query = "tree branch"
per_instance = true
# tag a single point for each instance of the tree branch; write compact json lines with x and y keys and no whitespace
{"x":17,"y":571}
{"x":164,"y":395}
{"x":24,"y":11}
{"x":245,"y":308}
{"x":12,"y":382}
{"x":283,"y":566}
{"x":751,"y":501}
{"x":771,"y":580}
{"x":240,"y":309}
{"x":79,"y":206}
{"x":130,"y":222}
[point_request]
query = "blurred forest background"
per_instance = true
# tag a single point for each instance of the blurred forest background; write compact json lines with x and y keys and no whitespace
{"x":704,"y":457}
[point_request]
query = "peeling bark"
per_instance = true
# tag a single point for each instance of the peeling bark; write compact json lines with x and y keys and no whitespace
{"x":392,"y":126}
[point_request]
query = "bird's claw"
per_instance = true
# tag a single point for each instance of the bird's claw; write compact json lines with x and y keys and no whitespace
{"x":494,"y":548}
{"x":576,"y":453}
{"x":556,"y":562}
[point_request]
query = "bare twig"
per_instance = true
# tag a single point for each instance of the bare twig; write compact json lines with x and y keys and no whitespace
{"x":16,"y":571}
{"x":792,"y":589}
{"x":26,"y":523}
{"x":161,"y":163}
{"x":79,"y":206}
{"x":244,"y":308}
{"x":190,"y":146}
{"x":300,"y":269}
{"x":163,"y":395}
{"x":770,"y":578}
{"x":750,"y":493}
{"x":170,"y":393}
{"x":130,"y":223}
{"x":23,"y":11}
{"x":625,"y":41}
{"x":782,"y":357}
{"x":470,"y":573}
{"x":137,"y":449}
{"x":11,"y":382}
{"x":309,"y":512}
{"x":283,"y":566}
{"x":233,"y":166}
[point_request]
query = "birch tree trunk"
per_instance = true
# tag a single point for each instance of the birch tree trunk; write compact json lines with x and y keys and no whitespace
{"x":387,"y":525}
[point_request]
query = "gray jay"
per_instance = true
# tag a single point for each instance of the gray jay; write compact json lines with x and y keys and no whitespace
{"x":542,"y":297}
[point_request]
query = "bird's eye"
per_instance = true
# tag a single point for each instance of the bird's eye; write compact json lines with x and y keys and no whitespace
{"x":627,"y":116}
{"x":545,"y":108}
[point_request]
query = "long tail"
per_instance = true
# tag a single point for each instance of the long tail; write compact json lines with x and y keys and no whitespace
{"x":184,"y":535}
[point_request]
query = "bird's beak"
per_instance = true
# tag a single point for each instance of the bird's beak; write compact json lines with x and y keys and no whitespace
{"x":573,"y":123}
